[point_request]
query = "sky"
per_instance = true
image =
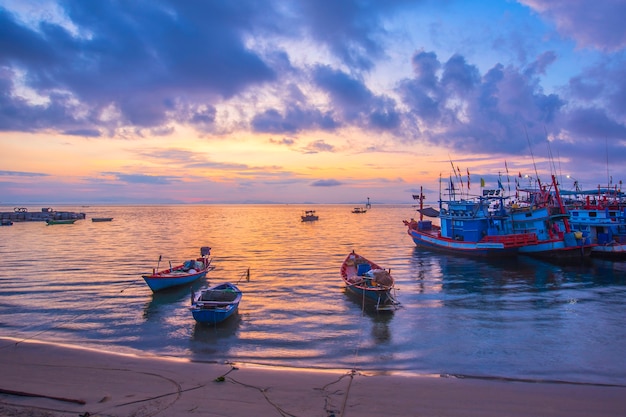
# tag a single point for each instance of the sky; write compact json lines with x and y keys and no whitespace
{"x":306,"y":101}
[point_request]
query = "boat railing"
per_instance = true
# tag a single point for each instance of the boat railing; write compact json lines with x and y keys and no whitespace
{"x":512,"y":240}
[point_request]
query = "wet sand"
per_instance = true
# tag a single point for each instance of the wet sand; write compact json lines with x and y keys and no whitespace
{"x":40,"y":380}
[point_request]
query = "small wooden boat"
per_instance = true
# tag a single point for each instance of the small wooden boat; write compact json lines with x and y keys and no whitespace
{"x":369,"y":281}
{"x":215,"y":304}
{"x":185,"y":273}
{"x":359,"y":210}
{"x":309,"y":216}
{"x":60,"y":221}
{"x":101,"y":219}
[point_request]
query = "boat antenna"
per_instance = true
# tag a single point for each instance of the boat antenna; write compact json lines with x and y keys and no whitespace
{"x":531,"y":153}
{"x":606,"y":146}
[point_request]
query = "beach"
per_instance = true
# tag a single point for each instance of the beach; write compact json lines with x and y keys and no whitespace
{"x":41,"y":379}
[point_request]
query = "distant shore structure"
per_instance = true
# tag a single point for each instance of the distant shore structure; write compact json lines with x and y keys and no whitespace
{"x":21,"y":214}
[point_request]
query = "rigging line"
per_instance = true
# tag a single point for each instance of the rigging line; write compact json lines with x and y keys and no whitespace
{"x":531,"y":152}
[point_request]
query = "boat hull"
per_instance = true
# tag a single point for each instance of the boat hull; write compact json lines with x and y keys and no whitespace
{"x":183,"y":274}
{"x":478,"y":249}
{"x":158,"y":282}
{"x":69,"y":221}
{"x":216,"y":304}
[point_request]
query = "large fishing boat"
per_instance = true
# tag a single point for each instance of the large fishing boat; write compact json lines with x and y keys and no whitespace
{"x":478,"y":226}
{"x":601,"y":215}
{"x":544,"y":214}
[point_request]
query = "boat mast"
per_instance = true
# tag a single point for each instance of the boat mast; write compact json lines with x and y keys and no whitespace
{"x":561,"y":206}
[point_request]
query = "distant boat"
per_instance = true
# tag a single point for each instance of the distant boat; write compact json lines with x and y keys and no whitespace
{"x":359,"y":210}
{"x":215,"y":304}
{"x":185,"y":273}
{"x":366,"y":279}
{"x":101,"y":219}
{"x":60,"y":221}
{"x":309,"y":216}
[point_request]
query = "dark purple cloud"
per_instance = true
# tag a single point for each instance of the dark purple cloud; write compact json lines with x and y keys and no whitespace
{"x":326,"y":183}
{"x":478,"y":113}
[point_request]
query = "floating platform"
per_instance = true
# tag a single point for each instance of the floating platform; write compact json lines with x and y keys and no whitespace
{"x":21,"y":214}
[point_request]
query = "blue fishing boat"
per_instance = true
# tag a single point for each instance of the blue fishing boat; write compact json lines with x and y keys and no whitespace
{"x":215,"y":304}
{"x":369,"y":281}
{"x":182,"y":274}
{"x":545,"y":215}
{"x":477,"y":226}
{"x":603,"y":219}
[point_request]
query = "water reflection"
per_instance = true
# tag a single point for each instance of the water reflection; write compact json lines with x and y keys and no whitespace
{"x":380,"y":319}
{"x":164,"y":299}
{"x":211,"y":333}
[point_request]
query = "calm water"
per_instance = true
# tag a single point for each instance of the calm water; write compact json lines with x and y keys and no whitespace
{"x":81,"y":284}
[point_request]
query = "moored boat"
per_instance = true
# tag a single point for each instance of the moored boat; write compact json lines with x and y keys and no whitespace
{"x":359,"y":210}
{"x":476,"y":226}
{"x":182,"y":274}
{"x":215,"y":304}
{"x":369,"y":281}
{"x":547,"y":217}
{"x":309,"y":216}
{"x":60,"y":221}
{"x":603,"y":220}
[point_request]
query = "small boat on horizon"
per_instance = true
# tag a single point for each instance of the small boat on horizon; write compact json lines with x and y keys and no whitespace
{"x":366,"y":279}
{"x":184,"y":273}
{"x":309,"y":216}
{"x":359,"y":210}
{"x":215,"y":304}
{"x":101,"y":219}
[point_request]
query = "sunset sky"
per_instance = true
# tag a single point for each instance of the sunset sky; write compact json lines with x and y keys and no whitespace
{"x":305,"y":101}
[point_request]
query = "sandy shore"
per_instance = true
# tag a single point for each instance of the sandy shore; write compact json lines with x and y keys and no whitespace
{"x":46,"y":380}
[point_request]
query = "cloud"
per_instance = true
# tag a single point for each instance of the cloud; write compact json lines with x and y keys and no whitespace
{"x":143,"y":179}
{"x":21,"y":174}
{"x":326,"y":183}
{"x":592,"y":24}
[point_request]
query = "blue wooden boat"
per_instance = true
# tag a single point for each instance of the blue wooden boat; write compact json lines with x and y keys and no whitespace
{"x":182,"y":274}
{"x":369,"y":281}
{"x":215,"y":304}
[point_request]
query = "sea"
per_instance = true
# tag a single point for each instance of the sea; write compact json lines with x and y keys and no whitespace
{"x":523,"y":319}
